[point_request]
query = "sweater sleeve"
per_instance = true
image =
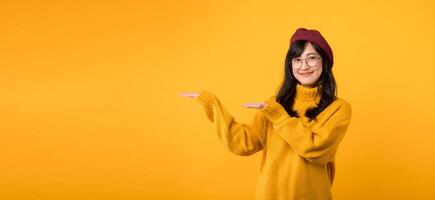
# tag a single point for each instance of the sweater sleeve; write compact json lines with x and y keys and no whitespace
{"x":319,"y":142}
{"x":241,"y":139}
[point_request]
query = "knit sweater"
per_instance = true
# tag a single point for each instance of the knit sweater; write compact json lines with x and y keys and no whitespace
{"x":298,"y":156}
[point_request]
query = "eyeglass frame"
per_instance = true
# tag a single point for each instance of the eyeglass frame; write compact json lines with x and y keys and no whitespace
{"x":318,"y":57}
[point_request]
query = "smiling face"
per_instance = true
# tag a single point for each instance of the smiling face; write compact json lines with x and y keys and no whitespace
{"x":305,"y":74}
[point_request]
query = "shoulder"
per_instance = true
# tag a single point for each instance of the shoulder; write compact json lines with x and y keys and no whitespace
{"x":344,"y":104}
{"x":341,"y":106}
{"x":338,"y":112}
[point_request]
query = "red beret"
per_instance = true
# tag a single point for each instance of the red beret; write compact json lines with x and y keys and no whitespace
{"x":313,"y":36}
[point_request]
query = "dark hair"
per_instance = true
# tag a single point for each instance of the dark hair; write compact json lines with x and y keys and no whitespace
{"x":326,"y":85}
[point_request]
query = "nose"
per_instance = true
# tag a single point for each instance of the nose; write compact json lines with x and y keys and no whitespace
{"x":304,"y":65}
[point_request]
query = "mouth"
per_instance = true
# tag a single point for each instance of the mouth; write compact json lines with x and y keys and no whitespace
{"x":306,"y":73}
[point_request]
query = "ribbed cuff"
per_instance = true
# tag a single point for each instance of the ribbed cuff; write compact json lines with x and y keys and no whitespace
{"x":206,"y":100}
{"x":274,"y":111}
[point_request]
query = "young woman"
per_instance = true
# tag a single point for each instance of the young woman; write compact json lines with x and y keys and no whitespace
{"x":299,"y":129}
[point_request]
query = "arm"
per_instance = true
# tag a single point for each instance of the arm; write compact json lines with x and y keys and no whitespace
{"x":319,"y":142}
{"x":240,"y":138}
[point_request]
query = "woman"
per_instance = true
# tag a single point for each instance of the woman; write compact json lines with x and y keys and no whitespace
{"x":299,"y":129}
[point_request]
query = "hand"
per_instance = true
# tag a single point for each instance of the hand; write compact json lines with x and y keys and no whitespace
{"x":189,"y":94}
{"x":259,"y":105}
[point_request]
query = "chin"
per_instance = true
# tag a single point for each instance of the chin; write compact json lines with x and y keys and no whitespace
{"x":307,"y":82}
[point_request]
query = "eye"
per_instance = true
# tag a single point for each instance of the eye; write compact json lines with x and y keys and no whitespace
{"x":296,"y":60}
{"x":312,"y":58}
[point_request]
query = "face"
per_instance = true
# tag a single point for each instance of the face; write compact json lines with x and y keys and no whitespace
{"x":306,"y":74}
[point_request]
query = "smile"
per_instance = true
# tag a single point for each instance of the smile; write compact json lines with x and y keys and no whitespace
{"x":306,"y":74}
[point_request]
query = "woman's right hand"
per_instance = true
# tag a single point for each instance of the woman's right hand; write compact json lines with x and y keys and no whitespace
{"x":190,"y":94}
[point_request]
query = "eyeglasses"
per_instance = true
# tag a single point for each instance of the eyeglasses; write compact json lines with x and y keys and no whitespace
{"x":311,"y":61}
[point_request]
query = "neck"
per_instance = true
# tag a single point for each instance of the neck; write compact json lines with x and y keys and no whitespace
{"x":307,"y":93}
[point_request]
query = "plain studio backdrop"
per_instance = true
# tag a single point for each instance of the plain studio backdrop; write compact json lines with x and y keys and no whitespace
{"x":90,"y":107}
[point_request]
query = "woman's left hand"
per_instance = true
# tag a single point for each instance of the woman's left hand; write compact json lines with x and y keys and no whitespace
{"x":259,"y":105}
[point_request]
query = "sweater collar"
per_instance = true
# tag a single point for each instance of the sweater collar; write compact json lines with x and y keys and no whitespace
{"x":307,"y":94}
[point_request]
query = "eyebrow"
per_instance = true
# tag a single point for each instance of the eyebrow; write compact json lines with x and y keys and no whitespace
{"x":312,"y":53}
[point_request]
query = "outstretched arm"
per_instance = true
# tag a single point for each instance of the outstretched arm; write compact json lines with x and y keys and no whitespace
{"x":240,"y":138}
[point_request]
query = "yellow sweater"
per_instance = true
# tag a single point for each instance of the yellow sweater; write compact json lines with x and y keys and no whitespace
{"x":298,"y":156}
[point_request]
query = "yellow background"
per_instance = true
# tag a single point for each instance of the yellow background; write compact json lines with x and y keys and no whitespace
{"x":90,"y":107}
